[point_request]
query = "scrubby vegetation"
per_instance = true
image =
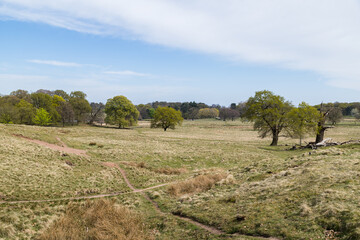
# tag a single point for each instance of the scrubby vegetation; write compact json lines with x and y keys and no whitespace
{"x":217,"y":173}
{"x":98,"y":220}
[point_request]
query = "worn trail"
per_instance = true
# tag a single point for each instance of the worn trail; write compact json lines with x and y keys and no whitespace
{"x":66,"y":149}
{"x":63,"y":148}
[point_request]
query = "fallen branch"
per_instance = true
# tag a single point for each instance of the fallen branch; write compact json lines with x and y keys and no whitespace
{"x":325,"y":143}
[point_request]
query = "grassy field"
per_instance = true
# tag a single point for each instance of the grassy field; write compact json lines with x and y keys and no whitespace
{"x":222,"y":176}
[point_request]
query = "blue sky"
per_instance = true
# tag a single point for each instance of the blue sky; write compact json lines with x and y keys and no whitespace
{"x":204,"y":51}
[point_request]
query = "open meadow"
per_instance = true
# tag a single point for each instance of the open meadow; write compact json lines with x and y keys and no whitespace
{"x":211,"y":180}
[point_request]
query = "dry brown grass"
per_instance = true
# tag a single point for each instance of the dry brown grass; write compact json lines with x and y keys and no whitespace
{"x":198,"y":184}
{"x":100,"y":219}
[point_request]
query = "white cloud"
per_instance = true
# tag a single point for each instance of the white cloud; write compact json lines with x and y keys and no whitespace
{"x":321,"y":36}
{"x":128,"y":73}
{"x":55,"y":63}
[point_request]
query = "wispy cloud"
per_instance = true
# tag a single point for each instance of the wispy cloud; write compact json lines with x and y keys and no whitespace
{"x":321,"y":36}
{"x":55,"y":63}
{"x":128,"y":73}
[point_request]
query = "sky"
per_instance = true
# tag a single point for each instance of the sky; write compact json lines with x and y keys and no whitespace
{"x":216,"y":52}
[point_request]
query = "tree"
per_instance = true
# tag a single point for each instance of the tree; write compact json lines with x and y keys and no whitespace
{"x":62,"y":94}
{"x":66,"y":113}
{"x":144,"y":110}
{"x":335,"y":115}
{"x":208,"y":113}
{"x":193,"y":113}
{"x":228,"y":113}
{"x":166,"y":117}
{"x":26,"y":111}
{"x":8,"y":111}
{"x":302,"y":120}
{"x":321,"y":128}
{"x":121,"y":111}
{"x":42,"y":117}
{"x":151,"y":112}
{"x":356,"y":114}
{"x":80,"y":105}
{"x":21,"y":94}
{"x":97,"y":112}
{"x":269,"y":113}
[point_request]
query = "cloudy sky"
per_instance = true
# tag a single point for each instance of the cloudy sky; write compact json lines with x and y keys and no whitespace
{"x":204,"y":50}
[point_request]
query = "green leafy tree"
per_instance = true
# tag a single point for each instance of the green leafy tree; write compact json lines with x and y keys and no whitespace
{"x":120,"y":111}
{"x":26,"y":112}
{"x":62,"y":94}
{"x":151,"y":112}
{"x":302,"y":120}
{"x":8,"y":110}
{"x":80,"y":105}
{"x":42,"y":99}
{"x":166,"y":117}
{"x":21,"y":94}
{"x":269,"y":113}
{"x":208,"y":113}
{"x":42,"y":117}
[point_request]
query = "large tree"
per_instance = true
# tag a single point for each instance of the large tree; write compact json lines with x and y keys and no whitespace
{"x":302,"y":121}
{"x":166,"y":117}
{"x":120,"y":111}
{"x":80,"y":105}
{"x":26,"y":112}
{"x":269,"y":113}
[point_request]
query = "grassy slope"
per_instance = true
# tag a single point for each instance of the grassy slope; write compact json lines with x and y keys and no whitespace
{"x":284,"y":194}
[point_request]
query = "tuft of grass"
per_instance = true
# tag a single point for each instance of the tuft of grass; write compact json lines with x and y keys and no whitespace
{"x":92,"y":144}
{"x":198,"y":184}
{"x":99,"y":219}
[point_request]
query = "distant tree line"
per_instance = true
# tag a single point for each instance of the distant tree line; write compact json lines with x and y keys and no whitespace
{"x":271,"y":113}
{"x":194,"y":110}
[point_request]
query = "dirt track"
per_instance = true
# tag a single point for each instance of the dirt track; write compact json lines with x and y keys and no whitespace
{"x":63,"y":148}
{"x":66,"y":149}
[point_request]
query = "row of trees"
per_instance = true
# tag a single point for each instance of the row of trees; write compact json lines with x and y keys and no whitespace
{"x":193,"y":110}
{"x":272,"y":115}
{"x":45,"y":107}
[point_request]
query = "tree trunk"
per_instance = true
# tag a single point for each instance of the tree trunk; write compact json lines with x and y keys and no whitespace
{"x":320,"y":135}
{"x":165,"y":129}
{"x":275,"y":138}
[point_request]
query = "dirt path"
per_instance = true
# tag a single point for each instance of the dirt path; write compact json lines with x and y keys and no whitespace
{"x":66,"y":149}
{"x":156,"y":206}
{"x":63,"y":148}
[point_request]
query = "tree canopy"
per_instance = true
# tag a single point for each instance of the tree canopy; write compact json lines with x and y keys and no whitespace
{"x":269,"y":113}
{"x":302,"y":120}
{"x":120,"y":111}
{"x":166,"y":117}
